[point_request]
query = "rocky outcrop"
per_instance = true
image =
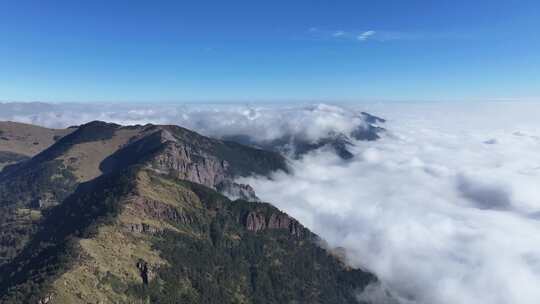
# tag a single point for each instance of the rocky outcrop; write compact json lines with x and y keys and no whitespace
{"x":160,"y":211}
{"x":256,"y":221}
{"x":187,"y":163}
{"x":43,"y":202}
{"x":142,"y":228}
{"x":183,"y":155}
{"x":367,"y":133}
{"x":146,"y":271}
{"x":45,"y":300}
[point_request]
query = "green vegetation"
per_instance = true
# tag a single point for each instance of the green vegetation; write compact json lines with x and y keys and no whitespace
{"x":210,"y":255}
{"x":45,"y":180}
{"x":245,"y":161}
{"x":40,"y":184}
{"x":16,"y":226}
{"x":54,"y":247}
{"x":270,"y":267}
{"x":132,"y":235}
{"x":9,"y":157}
{"x":233,"y":265}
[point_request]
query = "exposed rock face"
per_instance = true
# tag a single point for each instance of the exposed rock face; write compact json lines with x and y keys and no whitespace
{"x":372,"y":119}
{"x":142,"y":228}
{"x":45,"y":201}
{"x":189,"y":164}
{"x":369,"y":133}
{"x":256,"y":221}
{"x":146,"y":271}
{"x":46,"y":300}
{"x":159,"y":211}
{"x":159,"y":149}
{"x":189,"y":156}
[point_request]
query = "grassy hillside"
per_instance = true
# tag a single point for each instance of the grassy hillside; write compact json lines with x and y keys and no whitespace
{"x":20,"y":141}
{"x":27,"y":140}
{"x":112,"y":214}
{"x":49,"y":177}
{"x":142,"y":237}
{"x":98,"y":147}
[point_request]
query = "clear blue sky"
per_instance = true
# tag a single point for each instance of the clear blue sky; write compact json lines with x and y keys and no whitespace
{"x":269,"y":50}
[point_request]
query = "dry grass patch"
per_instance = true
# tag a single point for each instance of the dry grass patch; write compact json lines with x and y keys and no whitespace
{"x":107,"y":264}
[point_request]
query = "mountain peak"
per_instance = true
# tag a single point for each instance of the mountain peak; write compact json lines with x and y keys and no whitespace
{"x":142,"y":220}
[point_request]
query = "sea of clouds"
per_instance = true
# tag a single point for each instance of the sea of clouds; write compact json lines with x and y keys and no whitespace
{"x":444,"y":208}
{"x":261,"y":123}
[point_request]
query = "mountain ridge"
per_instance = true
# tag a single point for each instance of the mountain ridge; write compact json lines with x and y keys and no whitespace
{"x":140,"y":207}
{"x":147,"y":225}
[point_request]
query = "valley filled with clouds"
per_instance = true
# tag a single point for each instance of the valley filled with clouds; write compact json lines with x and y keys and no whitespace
{"x":444,"y":207}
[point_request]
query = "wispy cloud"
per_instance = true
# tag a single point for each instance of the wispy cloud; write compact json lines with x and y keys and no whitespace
{"x":384,"y":35}
{"x":365,"y":35}
{"x":339,"y":34}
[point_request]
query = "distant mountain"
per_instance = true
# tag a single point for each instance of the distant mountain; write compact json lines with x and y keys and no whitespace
{"x":20,"y":141}
{"x":113,"y":214}
{"x":340,"y":143}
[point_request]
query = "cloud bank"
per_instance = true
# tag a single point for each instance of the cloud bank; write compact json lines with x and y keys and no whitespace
{"x":445,"y":208}
{"x":262,"y":123}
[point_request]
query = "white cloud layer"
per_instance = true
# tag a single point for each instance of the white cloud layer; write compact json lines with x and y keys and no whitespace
{"x":445,"y":208}
{"x":262,"y":123}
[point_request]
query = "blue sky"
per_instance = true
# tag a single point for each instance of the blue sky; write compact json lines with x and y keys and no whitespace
{"x":269,"y":50}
